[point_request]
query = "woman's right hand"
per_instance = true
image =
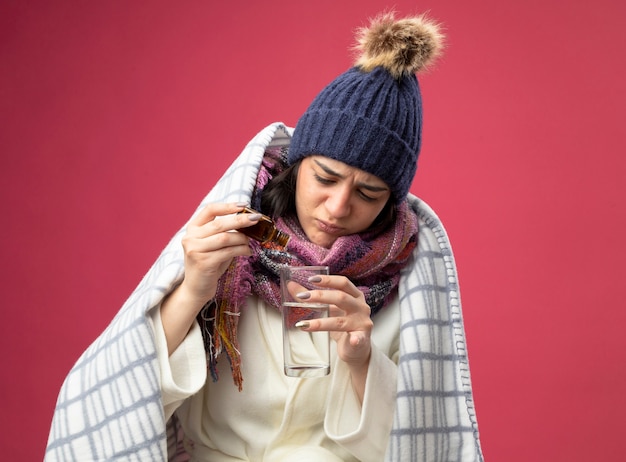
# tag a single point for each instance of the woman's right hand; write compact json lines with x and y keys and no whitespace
{"x":209,"y":246}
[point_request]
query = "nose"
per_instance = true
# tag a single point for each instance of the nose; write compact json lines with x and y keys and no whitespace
{"x":338,"y":202}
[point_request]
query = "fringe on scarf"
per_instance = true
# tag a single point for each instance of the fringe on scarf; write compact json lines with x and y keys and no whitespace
{"x":220,"y":317}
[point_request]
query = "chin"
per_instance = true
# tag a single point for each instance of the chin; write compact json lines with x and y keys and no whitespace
{"x":325,"y":241}
{"x":319,"y":237}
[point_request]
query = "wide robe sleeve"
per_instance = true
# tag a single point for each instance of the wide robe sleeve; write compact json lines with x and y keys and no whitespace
{"x":363,"y":429}
{"x":184,"y":372}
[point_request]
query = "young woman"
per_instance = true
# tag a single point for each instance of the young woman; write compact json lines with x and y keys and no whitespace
{"x":339,"y":186}
{"x":273,"y":416}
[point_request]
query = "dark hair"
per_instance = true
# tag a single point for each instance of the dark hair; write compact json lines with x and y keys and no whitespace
{"x":279,"y":200}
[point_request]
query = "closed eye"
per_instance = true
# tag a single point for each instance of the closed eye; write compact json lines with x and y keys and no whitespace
{"x":366,"y":197}
{"x":322,"y":180}
{"x":329,"y":181}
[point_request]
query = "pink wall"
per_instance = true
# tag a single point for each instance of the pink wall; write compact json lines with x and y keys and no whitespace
{"x":117,"y":117}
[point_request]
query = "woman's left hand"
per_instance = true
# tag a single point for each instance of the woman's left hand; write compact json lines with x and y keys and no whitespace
{"x":349,"y":322}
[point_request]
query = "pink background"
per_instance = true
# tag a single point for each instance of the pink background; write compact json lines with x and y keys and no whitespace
{"x":117,"y":117}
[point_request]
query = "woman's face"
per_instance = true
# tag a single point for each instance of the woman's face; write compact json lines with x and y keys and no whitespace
{"x":334,"y":199}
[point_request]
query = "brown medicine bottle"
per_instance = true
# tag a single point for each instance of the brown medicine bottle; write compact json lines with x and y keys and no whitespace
{"x":265,"y":231}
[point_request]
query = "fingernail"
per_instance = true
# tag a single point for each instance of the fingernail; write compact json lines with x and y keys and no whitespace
{"x":241,"y":204}
{"x":315,"y":279}
{"x":303,"y":295}
{"x":303,"y":324}
{"x":254,"y":216}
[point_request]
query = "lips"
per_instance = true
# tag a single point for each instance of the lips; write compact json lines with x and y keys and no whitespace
{"x":328,"y":228}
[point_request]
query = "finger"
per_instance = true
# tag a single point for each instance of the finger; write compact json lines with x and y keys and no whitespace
{"x":227,"y":223}
{"x":336,"y":311}
{"x":342,"y":300}
{"x":199,"y":244}
{"x":338,"y":324}
{"x":213,"y":210}
{"x":233,"y":222}
{"x":337,"y":282}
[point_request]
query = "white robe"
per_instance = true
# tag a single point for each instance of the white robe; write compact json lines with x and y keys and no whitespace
{"x":275,"y":417}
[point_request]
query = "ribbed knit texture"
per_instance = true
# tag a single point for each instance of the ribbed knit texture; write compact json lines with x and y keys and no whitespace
{"x":368,"y":120}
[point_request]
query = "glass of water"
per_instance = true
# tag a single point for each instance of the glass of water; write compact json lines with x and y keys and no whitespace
{"x":306,"y":354}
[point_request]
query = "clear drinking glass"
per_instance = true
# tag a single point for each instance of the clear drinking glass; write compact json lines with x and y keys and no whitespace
{"x":306,"y":354}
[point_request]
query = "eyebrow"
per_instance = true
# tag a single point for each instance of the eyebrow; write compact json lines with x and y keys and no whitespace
{"x":331,"y":172}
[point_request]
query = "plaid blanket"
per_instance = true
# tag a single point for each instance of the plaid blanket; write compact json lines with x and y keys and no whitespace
{"x":109,"y":407}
